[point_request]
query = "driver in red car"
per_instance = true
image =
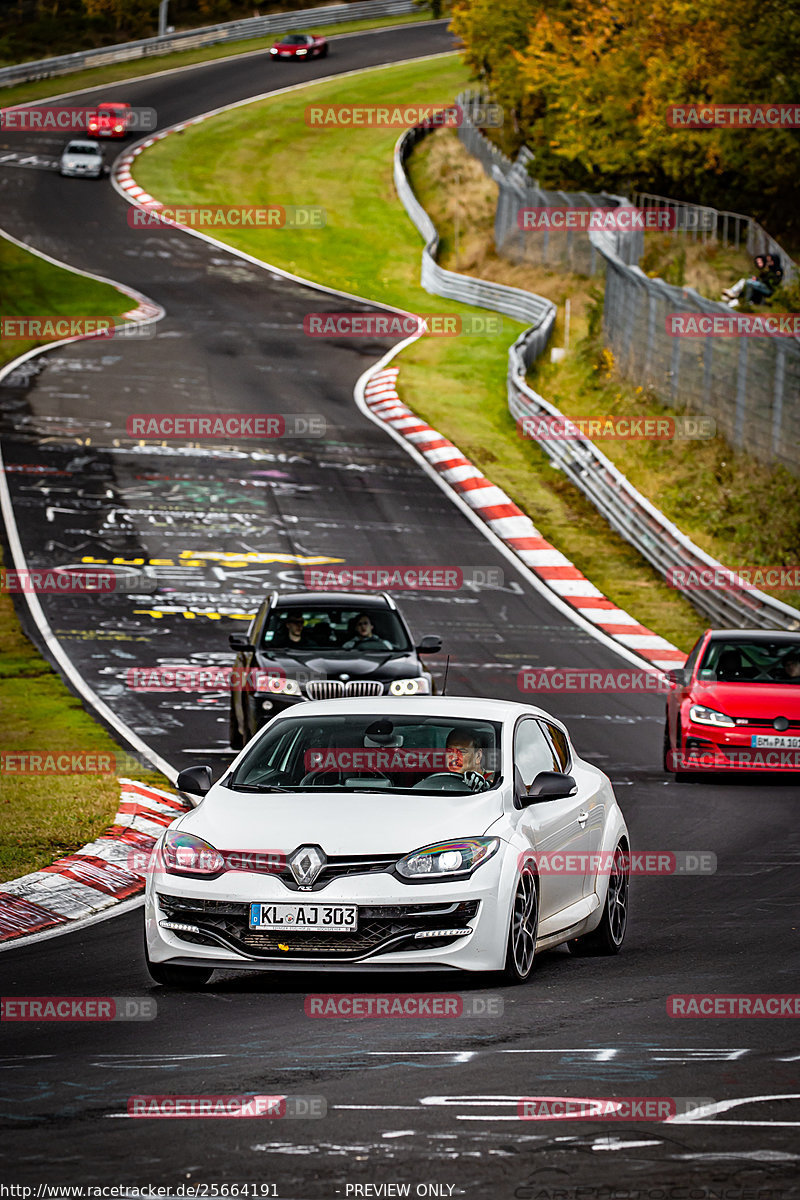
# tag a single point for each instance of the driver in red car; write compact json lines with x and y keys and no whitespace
{"x":465,"y":757}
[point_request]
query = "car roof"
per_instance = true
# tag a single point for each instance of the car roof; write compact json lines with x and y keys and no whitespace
{"x":351,"y":599}
{"x":755,"y":635}
{"x":475,"y":708}
{"x":80,"y":141}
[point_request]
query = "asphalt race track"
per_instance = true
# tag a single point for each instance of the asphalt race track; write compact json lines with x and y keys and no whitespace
{"x":418,"y":1102}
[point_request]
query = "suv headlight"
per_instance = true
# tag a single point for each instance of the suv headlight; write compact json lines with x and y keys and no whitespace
{"x":275,"y":685}
{"x":410,"y":687}
{"x":709,"y":716}
{"x":448,"y":859}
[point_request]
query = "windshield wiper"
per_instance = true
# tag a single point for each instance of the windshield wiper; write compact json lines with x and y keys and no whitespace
{"x":254,"y":787}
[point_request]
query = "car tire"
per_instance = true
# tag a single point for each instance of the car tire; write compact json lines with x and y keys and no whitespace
{"x":609,"y":935}
{"x":523,"y":927}
{"x":234,"y":736}
{"x":170,"y":975}
{"x":667,"y":750}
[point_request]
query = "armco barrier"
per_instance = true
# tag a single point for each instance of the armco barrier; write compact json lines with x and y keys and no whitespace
{"x":209,"y":35}
{"x":625,"y":508}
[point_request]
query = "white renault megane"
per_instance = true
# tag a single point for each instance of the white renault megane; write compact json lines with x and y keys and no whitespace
{"x":368,"y":834}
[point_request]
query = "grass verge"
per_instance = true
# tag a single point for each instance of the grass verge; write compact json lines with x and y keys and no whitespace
{"x":44,"y":816}
{"x":459,"y":386}
{"x":78,"y":81}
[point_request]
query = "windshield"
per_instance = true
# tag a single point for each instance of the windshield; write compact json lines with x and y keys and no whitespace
{"x":357,"y":752}
{"x":331,"y":629}
{"x":295,"y":39}
{"x":751,"y":662}
{"x":82,"y":148}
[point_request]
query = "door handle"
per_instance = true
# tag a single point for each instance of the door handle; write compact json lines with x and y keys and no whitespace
{"x":583,"y":817}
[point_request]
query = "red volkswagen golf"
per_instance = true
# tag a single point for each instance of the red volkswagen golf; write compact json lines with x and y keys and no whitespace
{"x":736,"y":704}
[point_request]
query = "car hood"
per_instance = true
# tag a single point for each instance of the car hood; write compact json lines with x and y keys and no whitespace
{"x":386,"y":666}
{"x":750,"y":699}
{"x":341,"y":823}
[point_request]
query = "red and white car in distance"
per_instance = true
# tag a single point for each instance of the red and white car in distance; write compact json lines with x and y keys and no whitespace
{"x":300,"y":45}
{"x":110,"y":119}
{"x":736,"y":704}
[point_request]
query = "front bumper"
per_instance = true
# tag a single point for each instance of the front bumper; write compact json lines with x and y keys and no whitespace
{"x":391,"y":915}
{"x":705,"y":748}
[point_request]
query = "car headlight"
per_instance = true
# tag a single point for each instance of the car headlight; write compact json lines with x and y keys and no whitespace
{"x":409,"y":687}
{"x":709,"y":716}
{"x":299,"y":52}
{"x":273,"y":50}
{"x":447,"y":859}
{"x":266,"y":681}
{"x":185,"y":854}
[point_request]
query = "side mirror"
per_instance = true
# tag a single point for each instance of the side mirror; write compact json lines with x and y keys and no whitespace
{"x":677,"y":676}
{"x":548,"y":785}
{"x":194,"y":780}
{"x":430,"y":644}
{"x":240,"y":641}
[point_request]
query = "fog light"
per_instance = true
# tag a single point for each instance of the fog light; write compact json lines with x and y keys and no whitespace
{"x":179,"y":926}
{"x":266,"y":705}
{"x":428,"y":933}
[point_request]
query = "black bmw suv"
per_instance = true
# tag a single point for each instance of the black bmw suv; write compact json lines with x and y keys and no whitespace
{"x":321,"y":646}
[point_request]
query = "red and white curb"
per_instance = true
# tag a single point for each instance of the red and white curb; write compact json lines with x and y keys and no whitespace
{"x":96,"y":877}
{"x":513,"y":527}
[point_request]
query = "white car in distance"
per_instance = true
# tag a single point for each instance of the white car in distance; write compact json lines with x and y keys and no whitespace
{"x":82,"y":158}
{"x":391,"y":834}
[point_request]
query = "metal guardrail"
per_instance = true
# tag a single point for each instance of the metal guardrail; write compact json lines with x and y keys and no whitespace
{"x":208,"y":35}
{"x":623,"y":506}
{"x":730,"y":228}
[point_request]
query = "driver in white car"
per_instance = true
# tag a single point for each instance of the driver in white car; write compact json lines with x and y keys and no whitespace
{"x":465,"y":757}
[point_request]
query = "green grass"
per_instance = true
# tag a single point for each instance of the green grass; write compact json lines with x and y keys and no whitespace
{"x":370,"y":248}
{"x":30,"y":286}
{"x":78,"y":81}
{"x":42,"y":817}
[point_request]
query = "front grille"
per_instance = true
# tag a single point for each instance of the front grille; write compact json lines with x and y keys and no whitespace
{"x":324,"y":689}
{"x":336,"y":867}
{"x":364,"y":687}
{"x":765,"y":723}
{"x":381,"y":927}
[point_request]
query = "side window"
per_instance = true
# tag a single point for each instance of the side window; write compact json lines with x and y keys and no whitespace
{"x":560,"y":745}
{"x":689,"y":665}
{"x":532,"y":752}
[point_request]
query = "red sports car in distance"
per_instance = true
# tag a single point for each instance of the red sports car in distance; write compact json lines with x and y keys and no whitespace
{"x":736,"y":704}
{"x":110,"y":119}
{"x":300,"y":45}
